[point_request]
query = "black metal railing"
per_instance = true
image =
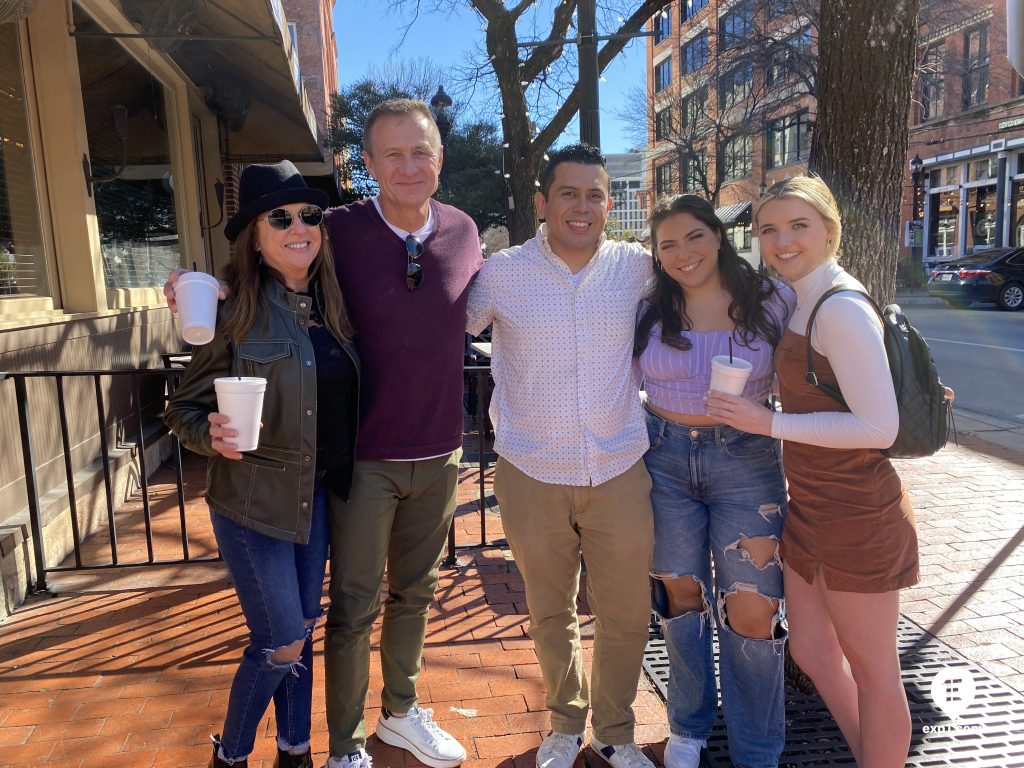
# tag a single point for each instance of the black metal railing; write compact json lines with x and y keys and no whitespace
{"x":478,"y":387}
{"x":155,"y":381}
{"x":160,"y":383}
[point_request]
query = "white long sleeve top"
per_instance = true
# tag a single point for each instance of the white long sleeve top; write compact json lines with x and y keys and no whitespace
{"x":848,"y":332}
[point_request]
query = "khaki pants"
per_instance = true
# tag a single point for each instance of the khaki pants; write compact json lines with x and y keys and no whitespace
{"x":399,"y":513}
{"x":548,"y":527}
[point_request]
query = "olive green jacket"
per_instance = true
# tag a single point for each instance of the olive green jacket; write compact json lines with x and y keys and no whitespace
{"x":270,"y":490}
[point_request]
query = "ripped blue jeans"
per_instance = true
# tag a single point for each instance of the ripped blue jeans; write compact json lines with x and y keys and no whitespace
{"x":713,"y":488}
{"x":279,"y":586}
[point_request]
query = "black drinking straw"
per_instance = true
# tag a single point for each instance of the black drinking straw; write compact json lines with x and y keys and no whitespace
{"x":730,"y":350}
{"x":193,"y":266}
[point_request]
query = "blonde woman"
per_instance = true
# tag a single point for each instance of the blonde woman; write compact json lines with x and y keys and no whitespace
{"x":849,"y":543}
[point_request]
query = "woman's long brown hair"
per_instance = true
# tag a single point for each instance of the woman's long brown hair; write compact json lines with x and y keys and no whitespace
{"x":246,"y":272}
{"x":748,"y":290}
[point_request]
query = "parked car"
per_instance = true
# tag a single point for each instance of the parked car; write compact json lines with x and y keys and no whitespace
{"x":995,"y":275}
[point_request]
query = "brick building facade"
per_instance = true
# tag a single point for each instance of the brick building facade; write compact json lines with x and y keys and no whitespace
{"x":967,"y":128}
{"x":311,"y":26}
{"x":730,"y":110}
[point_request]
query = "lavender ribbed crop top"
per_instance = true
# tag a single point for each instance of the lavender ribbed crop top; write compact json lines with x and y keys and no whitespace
{"x":678,"y":381}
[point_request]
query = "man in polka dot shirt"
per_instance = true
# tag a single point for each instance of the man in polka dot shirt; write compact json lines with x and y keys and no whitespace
{"x":570,"y":434}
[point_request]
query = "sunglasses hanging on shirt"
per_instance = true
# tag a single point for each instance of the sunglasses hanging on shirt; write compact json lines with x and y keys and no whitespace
{"x":413,"y":271}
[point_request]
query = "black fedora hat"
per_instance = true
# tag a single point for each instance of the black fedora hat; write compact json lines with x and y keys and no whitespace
{"x":265,"y":187}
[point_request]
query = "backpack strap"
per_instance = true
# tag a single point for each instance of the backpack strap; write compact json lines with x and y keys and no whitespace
{"x":812,"y":377}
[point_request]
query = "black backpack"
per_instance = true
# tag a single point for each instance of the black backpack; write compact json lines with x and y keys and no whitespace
{"x":920,"y":395}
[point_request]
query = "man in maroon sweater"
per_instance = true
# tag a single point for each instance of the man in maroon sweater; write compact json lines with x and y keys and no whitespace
{"x":404,"y":262}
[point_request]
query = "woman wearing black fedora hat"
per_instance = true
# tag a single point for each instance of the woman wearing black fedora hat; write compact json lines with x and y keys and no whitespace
{"x":284,"y":321}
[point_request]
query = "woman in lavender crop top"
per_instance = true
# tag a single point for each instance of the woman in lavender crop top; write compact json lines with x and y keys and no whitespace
{"x":718,"y":493}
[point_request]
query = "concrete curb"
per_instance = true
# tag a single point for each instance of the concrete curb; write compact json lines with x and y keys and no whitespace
{"x":1005,"y":433}
{"x":919,"y":299}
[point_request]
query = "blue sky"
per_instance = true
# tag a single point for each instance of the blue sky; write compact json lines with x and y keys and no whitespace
{"x":366,"y":33}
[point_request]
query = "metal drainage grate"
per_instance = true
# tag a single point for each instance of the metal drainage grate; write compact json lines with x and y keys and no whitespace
{"x":989,"y":732}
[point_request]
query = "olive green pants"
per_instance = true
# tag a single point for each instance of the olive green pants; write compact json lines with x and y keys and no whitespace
{"x":612,"y":526}
{"x":398,"y":514}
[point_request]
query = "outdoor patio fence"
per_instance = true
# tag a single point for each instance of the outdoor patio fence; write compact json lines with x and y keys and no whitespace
{"x":133,"y":435}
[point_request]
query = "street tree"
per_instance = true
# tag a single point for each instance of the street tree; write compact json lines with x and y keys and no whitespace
{"x":860,"y":141}
{"x":537,"y":87}
{"x":470,"y":178}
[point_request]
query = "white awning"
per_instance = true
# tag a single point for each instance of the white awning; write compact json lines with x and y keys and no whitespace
{"x":734,"y":212}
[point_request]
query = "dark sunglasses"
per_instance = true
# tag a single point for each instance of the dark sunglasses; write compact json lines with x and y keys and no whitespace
{"x":280,"y":218}
{"x":413,"y":271}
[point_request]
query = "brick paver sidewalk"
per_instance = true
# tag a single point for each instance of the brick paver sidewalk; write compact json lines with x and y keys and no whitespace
{"x":131,"y":667}
{"x":969,"y":502}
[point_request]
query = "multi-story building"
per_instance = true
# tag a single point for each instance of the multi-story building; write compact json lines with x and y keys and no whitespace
{"x":629,"y":193}
{"x":967,"y":135}
{"x":121,"y":127}
{"x":730,"y":106}
{"x":311,"y":28}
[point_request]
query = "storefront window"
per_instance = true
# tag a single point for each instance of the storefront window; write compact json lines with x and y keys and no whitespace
{"x":740,"y":234}
{"x":137,"y":216}
{"x":946,"y":208}
{"x":981,"y":217}
{"x":984,"y":169}
{"x":22,"y":263}
{"x":1017,"y":215}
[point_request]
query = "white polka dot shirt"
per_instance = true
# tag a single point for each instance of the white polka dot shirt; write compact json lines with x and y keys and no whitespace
{"x":566,"y":407}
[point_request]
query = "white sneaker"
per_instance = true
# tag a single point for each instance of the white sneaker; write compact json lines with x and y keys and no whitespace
{"x":559,"y":750}
{"x":621,"y":755}
{"x":352,"y":760}
{"x":682,"y":752}
{"x":418,"y":733}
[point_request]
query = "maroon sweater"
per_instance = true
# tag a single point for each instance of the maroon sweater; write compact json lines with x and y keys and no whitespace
{"x":410,"y":342}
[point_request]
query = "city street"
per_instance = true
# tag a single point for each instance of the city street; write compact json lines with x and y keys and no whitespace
{"x":980,"y":353}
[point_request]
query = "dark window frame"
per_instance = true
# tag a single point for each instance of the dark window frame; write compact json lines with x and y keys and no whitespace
{"x":690,"y":108}
{"x":736,"y":159}
{"x":735,"y":26}
{"x":776,"y":8}
{"x":933,"y":84}
{"x":729,"y":85}
{"x":664,"y":178}
{"x":663,"y":124}
{"x":663,"y":26}
{"x":690,"y":177}
{"x":688,"y":62}
{"x":692,"y":7}
{"x":781,"y":128}
{"x":663,"y":74}
{"x":975,"y":67}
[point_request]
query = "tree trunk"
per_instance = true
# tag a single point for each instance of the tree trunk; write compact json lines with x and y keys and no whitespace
{"x":866,"y":69}
{"x":522,"y":220}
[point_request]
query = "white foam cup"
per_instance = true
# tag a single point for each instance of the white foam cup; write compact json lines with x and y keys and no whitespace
{"x":241,"y":400}
{"x":729,"y":377}
{"x":196,"y":294}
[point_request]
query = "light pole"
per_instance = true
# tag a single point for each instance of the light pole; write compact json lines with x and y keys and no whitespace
{"x":916,"y":256}
{"x":440,"y":103}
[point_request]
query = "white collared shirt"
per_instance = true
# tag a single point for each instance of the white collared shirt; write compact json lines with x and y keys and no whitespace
{"x":566,"y":407}
{"x":420,"y":234}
